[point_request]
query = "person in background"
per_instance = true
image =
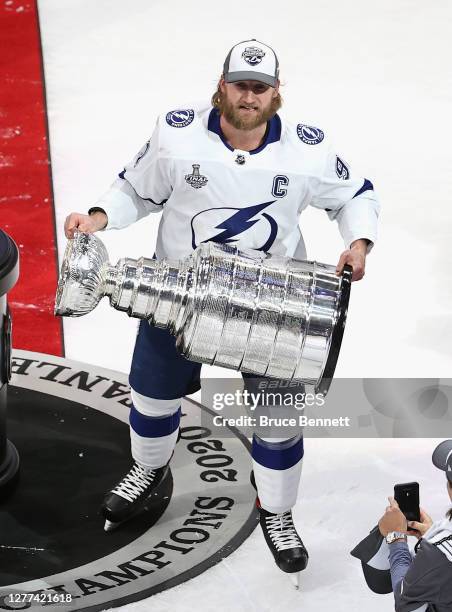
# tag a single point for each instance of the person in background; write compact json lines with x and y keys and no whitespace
{"x":422,"y":584}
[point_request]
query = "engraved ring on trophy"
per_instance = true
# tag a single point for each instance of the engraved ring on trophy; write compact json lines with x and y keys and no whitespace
{"x":244,"y":310}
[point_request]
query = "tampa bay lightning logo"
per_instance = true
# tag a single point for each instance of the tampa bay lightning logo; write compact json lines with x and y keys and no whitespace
{"x":253,"y":55}
{"x":180,"y":118}
{"x":309,"y":135}
{"x":227,"y":225}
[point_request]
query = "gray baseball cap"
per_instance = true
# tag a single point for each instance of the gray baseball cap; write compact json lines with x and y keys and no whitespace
{"x":251,"y":60}
{"x":442,"y":458}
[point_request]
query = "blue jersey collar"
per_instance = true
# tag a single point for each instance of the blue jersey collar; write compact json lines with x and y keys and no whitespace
{"x":272,"y":134}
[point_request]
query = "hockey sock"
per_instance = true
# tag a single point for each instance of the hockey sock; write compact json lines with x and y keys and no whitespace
{"x":154,"y":426}
{"x":277,"y":470}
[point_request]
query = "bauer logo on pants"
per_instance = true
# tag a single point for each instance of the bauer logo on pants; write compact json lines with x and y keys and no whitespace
{"x":69,"y":422}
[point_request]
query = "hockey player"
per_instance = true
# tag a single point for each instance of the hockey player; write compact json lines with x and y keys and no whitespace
{"x":232,"y":172}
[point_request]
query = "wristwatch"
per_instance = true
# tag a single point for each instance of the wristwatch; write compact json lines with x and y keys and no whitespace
{"x":395,"y":535}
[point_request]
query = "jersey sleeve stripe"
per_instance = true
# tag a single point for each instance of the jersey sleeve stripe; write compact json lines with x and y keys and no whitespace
{"x":366,"y":187}
{"x":122,"y":176}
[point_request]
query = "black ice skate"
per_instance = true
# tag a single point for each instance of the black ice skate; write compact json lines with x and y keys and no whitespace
{"x":132,"y":494}
{"x":283,"y":541}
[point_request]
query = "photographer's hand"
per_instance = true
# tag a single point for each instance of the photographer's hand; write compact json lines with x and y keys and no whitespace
{"x":393,"y":519}
{"x":422,"y":527}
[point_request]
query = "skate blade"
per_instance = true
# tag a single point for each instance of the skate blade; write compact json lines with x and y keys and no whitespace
{"x":295,"y":578}
{"x":110,"y":526}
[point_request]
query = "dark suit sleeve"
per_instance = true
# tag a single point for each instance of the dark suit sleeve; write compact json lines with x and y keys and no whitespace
{"x":428,"y":581}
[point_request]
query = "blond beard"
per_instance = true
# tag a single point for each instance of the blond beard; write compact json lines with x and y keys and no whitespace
{"x":227,"y":109}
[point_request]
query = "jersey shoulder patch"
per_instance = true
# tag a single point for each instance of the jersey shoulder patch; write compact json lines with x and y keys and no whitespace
{"x":180,"y":118}
{"x":309,"y":134}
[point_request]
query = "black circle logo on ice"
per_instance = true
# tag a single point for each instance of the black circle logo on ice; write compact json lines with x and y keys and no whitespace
{"x":180,"y":118}
{"x":309,"y":135}
{"x":73,"y":448}
{"x":253,"y":55}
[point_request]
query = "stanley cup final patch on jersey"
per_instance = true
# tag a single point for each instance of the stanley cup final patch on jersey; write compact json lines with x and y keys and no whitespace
{"x":341,"y":169}
{"x":195,"y":179}
{"x":309,"y":135}
{"x":180,"y":118}
{"x":253,"y":55}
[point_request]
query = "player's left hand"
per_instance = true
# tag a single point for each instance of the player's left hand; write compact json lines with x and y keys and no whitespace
{"x":355,"y":256}
{"x":393,"y":519}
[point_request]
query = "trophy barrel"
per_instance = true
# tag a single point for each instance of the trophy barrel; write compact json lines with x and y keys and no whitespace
{"x":273,"y":316}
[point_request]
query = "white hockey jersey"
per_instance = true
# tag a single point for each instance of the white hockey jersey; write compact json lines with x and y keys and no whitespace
{"x":250,"y":199}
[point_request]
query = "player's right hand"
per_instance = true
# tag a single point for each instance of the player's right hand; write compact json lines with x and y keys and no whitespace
{"x":87,"y":224}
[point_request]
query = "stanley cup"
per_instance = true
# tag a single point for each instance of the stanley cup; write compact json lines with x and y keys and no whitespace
{"x":245,"y":310}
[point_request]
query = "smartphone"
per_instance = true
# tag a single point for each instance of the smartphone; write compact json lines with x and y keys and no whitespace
{"x":407,"y":496}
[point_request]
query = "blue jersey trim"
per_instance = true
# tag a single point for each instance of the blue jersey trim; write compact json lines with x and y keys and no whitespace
{"x":277,"y":456}
{"x":122,"y":176}
{"x":153,"y":427}
{"x":272,"y":134}
{"x":152,"y":201}
{"x":366,"y":187}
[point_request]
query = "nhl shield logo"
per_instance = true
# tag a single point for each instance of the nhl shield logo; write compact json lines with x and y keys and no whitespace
{"x":253,"y":55}
{"x":195,"y":179}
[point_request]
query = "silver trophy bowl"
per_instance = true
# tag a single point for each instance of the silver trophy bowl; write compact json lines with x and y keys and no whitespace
{"x":244,"y":310}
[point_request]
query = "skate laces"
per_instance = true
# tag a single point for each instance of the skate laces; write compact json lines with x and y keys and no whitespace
{"x":134,"y":483}
{"x":282,"y":531}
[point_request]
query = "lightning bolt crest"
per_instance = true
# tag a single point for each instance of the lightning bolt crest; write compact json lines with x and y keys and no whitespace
{"x":238,"y":223}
